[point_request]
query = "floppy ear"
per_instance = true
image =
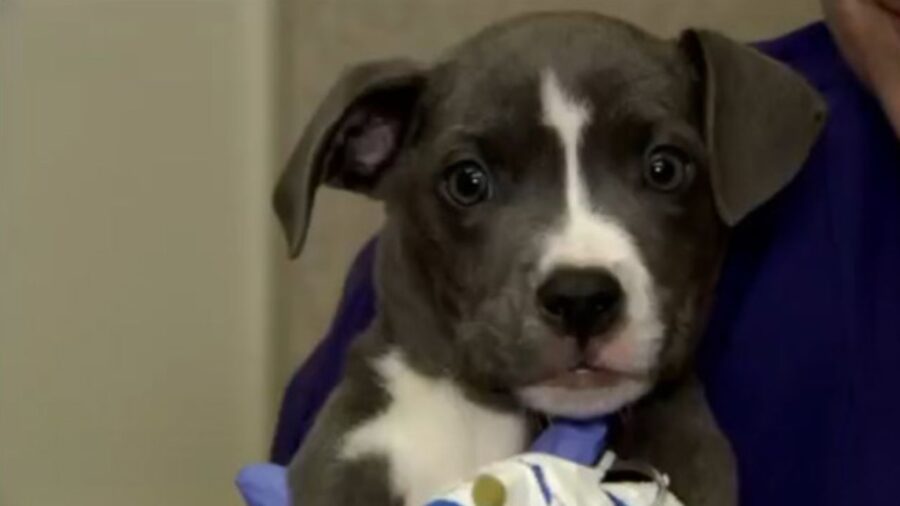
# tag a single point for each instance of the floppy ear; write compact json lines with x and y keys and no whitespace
{"x":353,"y":137}
{"x":761,"y":120}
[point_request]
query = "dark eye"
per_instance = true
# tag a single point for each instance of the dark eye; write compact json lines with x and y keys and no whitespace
{"x":466,"y":184}
{"x":668,"y":169}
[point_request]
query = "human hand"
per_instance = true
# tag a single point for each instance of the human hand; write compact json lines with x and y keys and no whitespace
{"x":263,"y":485}
{"x":868,"y":33}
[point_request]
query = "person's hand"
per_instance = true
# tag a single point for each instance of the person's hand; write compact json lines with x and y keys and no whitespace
{"x":264,"y":485}
{"x":868,"y":32}
{"x":582,"y":442}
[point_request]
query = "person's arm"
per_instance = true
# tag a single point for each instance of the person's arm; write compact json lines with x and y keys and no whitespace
{"x":316,"y":378}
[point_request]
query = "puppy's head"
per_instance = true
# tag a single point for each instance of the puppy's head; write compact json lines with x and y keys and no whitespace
{"x":558,"y":189}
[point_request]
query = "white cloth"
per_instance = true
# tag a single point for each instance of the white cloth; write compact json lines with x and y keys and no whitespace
{"x":535,"y":479}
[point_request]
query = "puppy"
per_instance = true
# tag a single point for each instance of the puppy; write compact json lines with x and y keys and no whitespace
{"x":558,"y":192}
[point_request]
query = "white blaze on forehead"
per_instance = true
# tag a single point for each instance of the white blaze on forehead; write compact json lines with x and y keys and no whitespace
{"x":584,"y":237}
{"x":568,"y":117}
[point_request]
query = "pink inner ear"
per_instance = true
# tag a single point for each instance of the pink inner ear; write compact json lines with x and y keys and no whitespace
{"x":374,"y":144}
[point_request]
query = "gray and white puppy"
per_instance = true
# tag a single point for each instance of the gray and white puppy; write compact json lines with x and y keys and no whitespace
{"x":558,"y":192}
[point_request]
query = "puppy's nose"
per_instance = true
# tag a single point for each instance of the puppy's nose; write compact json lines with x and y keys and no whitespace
{"x":580,"y":302}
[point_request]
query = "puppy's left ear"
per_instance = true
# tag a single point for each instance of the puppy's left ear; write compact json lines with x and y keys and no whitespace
{"x":353,"y":138}
{"x":761,"y":120}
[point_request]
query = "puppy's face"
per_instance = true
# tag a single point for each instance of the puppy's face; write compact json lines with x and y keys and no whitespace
{"x":560,"y":199}
{"x":552,"y":197}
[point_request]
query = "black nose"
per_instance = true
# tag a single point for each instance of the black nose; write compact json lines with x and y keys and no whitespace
{"x":580,"y":302}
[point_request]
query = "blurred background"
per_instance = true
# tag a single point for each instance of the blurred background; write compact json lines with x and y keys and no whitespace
{"x":148,"y":316}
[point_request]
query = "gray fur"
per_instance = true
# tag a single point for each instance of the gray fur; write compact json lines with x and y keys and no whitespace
{"x":456,"y":286}
{"x":318,"y":476}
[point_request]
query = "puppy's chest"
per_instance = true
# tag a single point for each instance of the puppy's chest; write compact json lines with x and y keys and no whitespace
{"x":432,"y":435}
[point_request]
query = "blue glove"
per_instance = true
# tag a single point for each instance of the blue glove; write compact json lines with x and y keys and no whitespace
{"x":579,"y":441}
{"x":582,"y":442}
{"x":264,"y":485}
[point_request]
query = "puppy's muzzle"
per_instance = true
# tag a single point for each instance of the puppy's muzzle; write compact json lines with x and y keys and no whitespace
{"x":580,"y":302}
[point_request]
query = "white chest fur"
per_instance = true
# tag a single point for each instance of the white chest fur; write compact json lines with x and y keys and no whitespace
{"x":431,"y":434}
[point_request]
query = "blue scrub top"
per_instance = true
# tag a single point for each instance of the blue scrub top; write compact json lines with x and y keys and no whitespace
{"x":802,"y":356}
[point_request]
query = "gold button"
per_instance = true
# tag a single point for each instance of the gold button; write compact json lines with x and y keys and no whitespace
{"x":488,"y":491}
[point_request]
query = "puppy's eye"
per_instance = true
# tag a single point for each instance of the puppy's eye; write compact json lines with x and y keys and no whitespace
{"x":466,"y":183}
{"x":668,"y":169}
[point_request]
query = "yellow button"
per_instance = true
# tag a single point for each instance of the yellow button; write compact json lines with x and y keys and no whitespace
{"x":488,"y":491}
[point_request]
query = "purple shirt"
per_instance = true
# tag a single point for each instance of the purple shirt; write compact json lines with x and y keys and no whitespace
{"x":802,"y":357}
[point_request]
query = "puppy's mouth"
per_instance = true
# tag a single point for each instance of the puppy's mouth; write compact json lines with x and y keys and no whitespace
{"x":584,"y":391}
{"x":584,"y":376}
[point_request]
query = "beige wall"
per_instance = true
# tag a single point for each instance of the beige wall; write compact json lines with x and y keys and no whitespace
{"x":147,"y":316}
{"x":134,"y":255}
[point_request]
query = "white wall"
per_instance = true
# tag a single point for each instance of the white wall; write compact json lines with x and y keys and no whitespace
{"x":135,"y":290}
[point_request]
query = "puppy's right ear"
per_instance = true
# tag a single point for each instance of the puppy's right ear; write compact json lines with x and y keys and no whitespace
{"x":353,"y":138}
